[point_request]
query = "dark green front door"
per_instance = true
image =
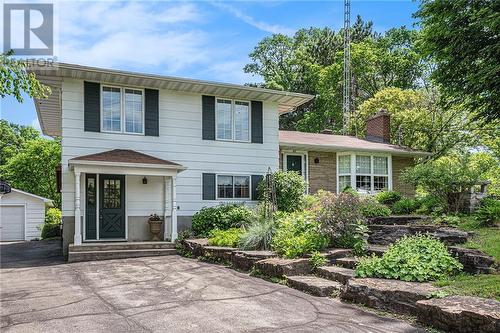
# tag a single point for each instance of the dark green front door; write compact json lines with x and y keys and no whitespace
{"x":111,"y":206}
{"x":294,"y":163}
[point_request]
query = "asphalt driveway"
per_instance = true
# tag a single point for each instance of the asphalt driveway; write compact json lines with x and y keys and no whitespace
{"x":42,"y":293}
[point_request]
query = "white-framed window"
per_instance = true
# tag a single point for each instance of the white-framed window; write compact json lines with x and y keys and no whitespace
{"x":233,"y":187}
{"x":122,"y":110}
{"x":366,"y":173}
{"x":232,"y":120}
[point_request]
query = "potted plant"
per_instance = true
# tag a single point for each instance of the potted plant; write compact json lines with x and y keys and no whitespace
{"x":155,"y":223}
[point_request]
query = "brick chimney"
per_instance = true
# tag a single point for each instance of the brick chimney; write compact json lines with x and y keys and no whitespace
{"x":378,"y":127}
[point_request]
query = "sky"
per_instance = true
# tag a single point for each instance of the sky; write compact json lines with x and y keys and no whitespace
{"x":207,"y":40}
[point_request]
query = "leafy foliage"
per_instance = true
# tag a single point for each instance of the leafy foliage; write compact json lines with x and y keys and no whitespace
{"x":297,"y":234}
{"x":50,"y":230}
{"x":13,"y":137}
{"x":14,"y":79}
{"x":488,"y":212}
{"x":290,"y":188}
{"x":417,"y":258}
{"x":53,"y":216}
{"x":430,"y":204}
{"x":230,"y":237}
{"x":355,"y":237}
{"x":220,"y":217}
{"x":447,"y":178}
{"x":388,"y":197}
{"x":259,"y":234}
{"x":372,"y":208}
{"x":32,"y":169}
{"x":461,"y":38}
{"x":317,"y":260}
{"x":405,"y":206}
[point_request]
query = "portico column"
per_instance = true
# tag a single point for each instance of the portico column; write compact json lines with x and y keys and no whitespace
{"x":174,"y":208}
{"x":165,"y":210}
{"x":78,"y":224}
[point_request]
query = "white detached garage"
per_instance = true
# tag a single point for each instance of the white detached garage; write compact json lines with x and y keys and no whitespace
{"x":22,"y":215}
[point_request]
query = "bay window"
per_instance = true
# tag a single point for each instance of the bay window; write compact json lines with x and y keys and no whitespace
{"x":364,"y":173}
{"x":233,"y":187}
{"x":233,"y":120}
{"x":122,"y":110}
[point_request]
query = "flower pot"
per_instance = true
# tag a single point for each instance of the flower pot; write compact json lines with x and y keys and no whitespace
{"x":155,"y":229}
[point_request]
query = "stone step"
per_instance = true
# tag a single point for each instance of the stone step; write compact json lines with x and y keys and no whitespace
{"x":474,"y":261}
{"x":397,"y":219}
{"x":346,"y":262}
{"x":331,"y":254}
{"x":244,"y":260}
{"x":386,"y":234}
{"x":313,"y":285}
{"x":388,"y":295}
{"x":461,"y":314}
{"x":377,"y":250}
{"x":335,"y":273}
{"x":277,"y":267}
{"x":117,"y":254}
{"x":111,"y":246}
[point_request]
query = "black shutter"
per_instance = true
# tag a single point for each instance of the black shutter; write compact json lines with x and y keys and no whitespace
{"x":152,"y":112}
{"x":208,"y":117}
{"x":257,"y":132}
{"x":208,"y":186}
{"x":91,"y":106}
{"x":256,"y":179}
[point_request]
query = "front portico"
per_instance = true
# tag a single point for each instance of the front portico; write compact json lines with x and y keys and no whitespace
{"x":115,"y":191}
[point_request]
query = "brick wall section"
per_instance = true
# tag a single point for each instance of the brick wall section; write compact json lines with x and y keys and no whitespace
{"x":398,"y":165}
{"x":323,"y":174}
{"x":378,"y":128}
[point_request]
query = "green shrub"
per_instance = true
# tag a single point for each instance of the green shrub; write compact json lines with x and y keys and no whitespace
{"x":51,"y":230}
{"x":451,"y":220}
{"x":230,"y":237}
{"x":388,"y":197}
{"x":350,"y":190}
{"x":259,"y":234}
{"x":372,"y":208}
{"x":220,"y":217}
{"x":184,"y":234}
{"x":430,"y":204}
{"x":405,"y":206}
{"x":355,"y":237}
{"x":488,"y":212}
{"x":308,"y":201}
{"x":297,"y":234}
{"x":290,"y":188}
{"x":416,"y":258}
{"x":317,"y":260}
{"x":53,"y":216}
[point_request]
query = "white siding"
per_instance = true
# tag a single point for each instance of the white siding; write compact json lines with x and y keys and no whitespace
{"x":179,"y":141}
{"x":35,"y":212}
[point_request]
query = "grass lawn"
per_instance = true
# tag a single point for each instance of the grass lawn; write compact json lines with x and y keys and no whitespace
{"x":487,"y":285}
{"x":485,"y":239}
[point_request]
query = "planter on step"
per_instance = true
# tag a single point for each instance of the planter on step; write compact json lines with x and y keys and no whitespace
{"x":155,"y":224}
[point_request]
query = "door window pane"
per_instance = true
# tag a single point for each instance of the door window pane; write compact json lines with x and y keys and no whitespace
{"x":111,"y":193}
{"x":345,"y":164}
{"x":344,"y":182}
{"x":241,"y":187}
{"x":363,"y":183}
{"x":380,"y":165}
{"x":294,"y":163}
{"x":111,"y":108}
{"x":380,"y":183}
{"x":241,"y":121}
{"x":133,"y":111}
{"x":224,"y":119}
{"x":225,"y":186}
{"x":91,"y":196}
{"x":363,"y":164}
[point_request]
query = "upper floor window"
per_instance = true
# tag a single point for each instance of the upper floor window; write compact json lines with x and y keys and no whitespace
{"x":122,"y":110}
{"x":233,"y":120}
{"x":365,"y":173}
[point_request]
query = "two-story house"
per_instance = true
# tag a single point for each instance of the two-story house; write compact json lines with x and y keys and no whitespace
{"x":138,"y":144}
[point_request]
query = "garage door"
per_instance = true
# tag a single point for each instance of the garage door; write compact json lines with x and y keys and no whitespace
{"x":11,"y":223}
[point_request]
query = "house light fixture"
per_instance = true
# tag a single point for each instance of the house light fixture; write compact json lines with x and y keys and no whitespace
{"x":144,"y":180}
{"x":316,"y":160}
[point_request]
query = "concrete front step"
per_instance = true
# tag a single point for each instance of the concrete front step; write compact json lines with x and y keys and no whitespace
{"x":347,"y":262}
{"x":117,"y":254}
{"x":336,"y":273}
{"x":313,"y":285}
{"x":111,"y":246}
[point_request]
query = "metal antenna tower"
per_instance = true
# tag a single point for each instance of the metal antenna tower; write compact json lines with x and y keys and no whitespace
{"x":347,"y":65}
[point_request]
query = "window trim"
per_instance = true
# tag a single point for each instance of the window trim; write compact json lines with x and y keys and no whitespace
{"x":353,"y":173}
{"x":233,"y":120}
{"x":122,"y":109}
{"x":233,"y":175}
